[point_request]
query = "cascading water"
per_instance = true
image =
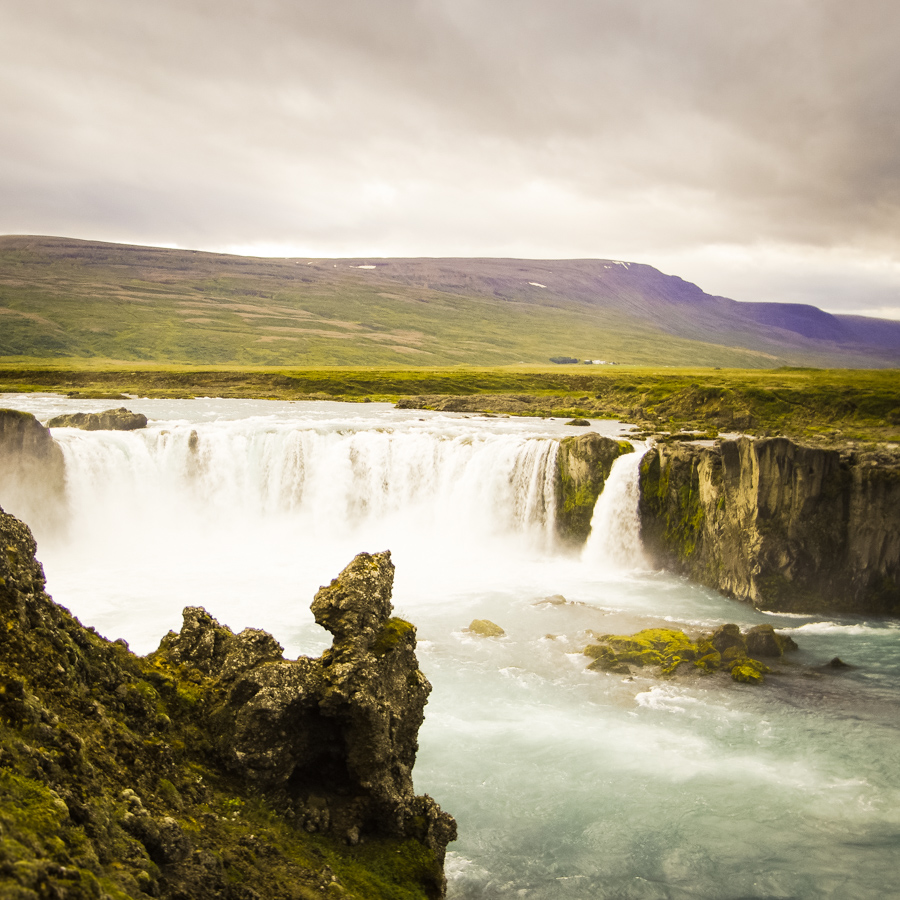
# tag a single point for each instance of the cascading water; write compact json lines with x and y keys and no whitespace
{"x":567,"y":784}
{"x":615,"y":538}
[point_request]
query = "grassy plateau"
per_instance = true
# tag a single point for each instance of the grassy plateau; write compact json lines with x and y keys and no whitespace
{"x":821,"y":405}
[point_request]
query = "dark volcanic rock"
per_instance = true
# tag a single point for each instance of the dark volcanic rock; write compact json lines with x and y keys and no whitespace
{"x":199,"y":771}
{"x":764,"y":640}
{"x":783,"y":526}
{"x":32,"y":470}
{"x":583,"y":465}
{"x":333,"y":739}
{"x":120,"y":419}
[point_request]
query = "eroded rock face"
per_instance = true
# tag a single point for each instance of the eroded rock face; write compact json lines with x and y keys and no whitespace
{"x":583,"y":465}
{"x":782,"y":526}
{"x":198,"y":771}
{"x":333,"y":739}
{"x":32,"y":470}
{"x":120,"y":419}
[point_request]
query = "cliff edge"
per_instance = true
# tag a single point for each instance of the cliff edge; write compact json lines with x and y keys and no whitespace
{"x":213,"y":768}
{"x":780,"y":525}
{"x":32,"y":470}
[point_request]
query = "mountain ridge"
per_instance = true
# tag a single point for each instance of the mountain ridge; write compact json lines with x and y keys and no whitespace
{"x":62,"y":297}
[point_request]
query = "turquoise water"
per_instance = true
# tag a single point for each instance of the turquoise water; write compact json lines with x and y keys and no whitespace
{"x":565,"y":783}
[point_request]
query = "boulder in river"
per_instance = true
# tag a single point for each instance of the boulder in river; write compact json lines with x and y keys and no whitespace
{"x":120,"y":419}
{"x":485,"y":628}
{"x":667,"y":648}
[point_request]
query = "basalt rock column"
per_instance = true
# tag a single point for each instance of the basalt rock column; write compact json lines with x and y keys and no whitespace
{"x":783,"y":526}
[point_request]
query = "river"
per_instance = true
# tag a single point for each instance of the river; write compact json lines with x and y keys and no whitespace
{"x":566,"y":784}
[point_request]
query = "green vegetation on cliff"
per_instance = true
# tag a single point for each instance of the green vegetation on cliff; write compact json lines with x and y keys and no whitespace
{"x":583,"y":464}
{"x":113,"y":784}
{"x":778,"y":524}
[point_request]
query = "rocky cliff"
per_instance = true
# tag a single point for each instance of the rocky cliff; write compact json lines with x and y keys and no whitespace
{"x":214,"y":768}
{"x":780,"y":525}
{"x":32,"y":470}
{"x":583,"y":464}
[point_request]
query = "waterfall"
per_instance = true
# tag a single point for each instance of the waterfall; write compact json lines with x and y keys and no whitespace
{"x":567,"y":783}
{"x":615,"y":538}
{"x":331,"y":481}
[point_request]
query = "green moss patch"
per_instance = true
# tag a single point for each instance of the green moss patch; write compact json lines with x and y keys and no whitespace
{"x":667,"y":649}
{"x":395,"y":633}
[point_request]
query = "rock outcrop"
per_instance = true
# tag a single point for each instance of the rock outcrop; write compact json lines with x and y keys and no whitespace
{"x":213,"y":768}
{"x":780,"y":525}
{"x":32,"y":470}
{"x":120,"y":419}
{"x":582,"y":466}
{"x":725,"y":649}
{"x":331,"y":740}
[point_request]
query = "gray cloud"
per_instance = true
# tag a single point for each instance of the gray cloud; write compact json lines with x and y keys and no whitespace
{"x":571,"y":128}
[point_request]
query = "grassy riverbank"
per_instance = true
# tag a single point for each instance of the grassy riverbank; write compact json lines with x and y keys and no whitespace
{"x":813,"y":404}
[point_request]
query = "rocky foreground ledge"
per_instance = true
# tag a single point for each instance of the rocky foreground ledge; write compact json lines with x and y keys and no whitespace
{"x":213,"y":768}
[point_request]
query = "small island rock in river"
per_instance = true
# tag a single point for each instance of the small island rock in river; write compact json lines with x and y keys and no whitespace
{"x":725,"y":649}
{"x":583,"y":464}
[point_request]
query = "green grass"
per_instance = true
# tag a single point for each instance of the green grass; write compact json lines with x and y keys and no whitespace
{"x":828,"y":405}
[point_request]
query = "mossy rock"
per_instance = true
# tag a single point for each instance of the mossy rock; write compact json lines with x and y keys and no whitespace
{"x":112,"y":782}
{"x":749,"y":671}
{"x":669,"y":648}
{"x":395,"y":633}
{"x":485,"y":628}
{"x":583,"y":464}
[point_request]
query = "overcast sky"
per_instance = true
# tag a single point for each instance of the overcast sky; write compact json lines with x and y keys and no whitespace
{"x":751,"y":147}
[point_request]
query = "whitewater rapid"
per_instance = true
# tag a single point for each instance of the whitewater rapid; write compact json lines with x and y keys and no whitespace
{"x":566,"y":784}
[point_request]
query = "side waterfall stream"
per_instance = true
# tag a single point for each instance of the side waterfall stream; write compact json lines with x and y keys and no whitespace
{"x":566,"y":783}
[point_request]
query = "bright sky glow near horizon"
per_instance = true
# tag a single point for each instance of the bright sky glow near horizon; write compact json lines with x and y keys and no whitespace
{"x":751,"y":148}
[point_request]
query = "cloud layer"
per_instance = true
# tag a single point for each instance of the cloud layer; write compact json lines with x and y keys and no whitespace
{"x":664,"y":129}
